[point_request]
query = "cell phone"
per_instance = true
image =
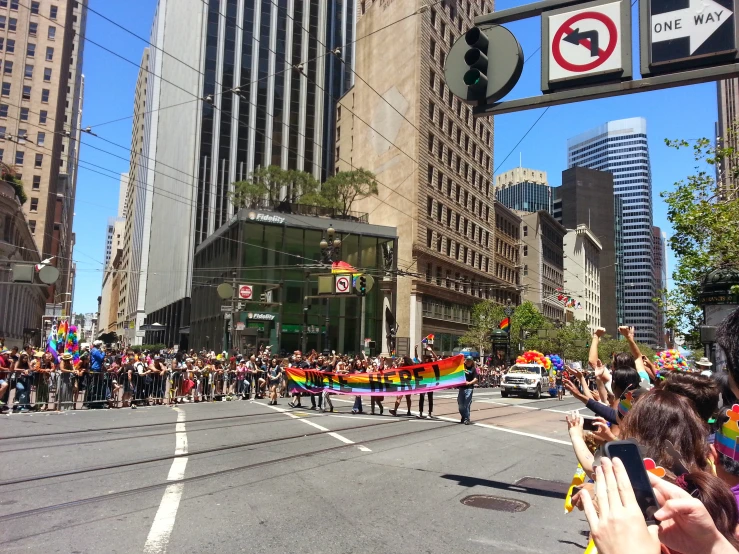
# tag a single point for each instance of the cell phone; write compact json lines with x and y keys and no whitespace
{"x":628,"y":453}
{"x":588,"y":424}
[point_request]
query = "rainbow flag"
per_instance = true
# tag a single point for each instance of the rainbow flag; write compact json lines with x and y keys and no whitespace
{"x":505,"y":324}
{"x":342,"y":267}
{"x":429,"y":339}
{"x":414,"y":379}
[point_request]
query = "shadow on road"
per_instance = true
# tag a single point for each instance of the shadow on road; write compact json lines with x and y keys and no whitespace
{"x":467,"y":481}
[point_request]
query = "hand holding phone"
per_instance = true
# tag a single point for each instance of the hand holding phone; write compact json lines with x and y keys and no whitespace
{"x":628,"y":453}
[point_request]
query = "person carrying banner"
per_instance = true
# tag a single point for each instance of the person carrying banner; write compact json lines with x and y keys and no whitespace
{"x":428,"y":356}
{"x":464,"y":397}
{"x":406,"y":361}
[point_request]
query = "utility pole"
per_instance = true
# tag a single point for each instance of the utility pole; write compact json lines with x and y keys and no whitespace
{"x":233,"y":312}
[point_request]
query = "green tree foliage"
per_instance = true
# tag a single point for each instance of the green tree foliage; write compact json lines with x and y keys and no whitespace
{"x":487,"y":315}
{"x":609,"y":346}
{"x":10,"y":175}
{"x":706,"y":234}
{"x":341,"y":190}
{"x":274,"y":184}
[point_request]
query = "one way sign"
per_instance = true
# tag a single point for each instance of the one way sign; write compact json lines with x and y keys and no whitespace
{"x":688,"y":33}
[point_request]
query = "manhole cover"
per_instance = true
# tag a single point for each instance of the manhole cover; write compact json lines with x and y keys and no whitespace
{"x":556,"y":487}
{"x":495,"y":503}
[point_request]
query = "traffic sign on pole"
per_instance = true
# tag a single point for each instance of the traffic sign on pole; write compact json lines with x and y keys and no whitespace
{"x":590,"y":43}
{"x":343,"y":284}
{"x":679,"y":34}
{"x":245,"y":292}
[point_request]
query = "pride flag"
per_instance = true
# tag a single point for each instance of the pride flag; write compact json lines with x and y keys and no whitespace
{"x":505,"y":324}
{"x":429,"y":339}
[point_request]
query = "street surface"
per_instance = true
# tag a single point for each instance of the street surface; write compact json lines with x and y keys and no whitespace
{"x":248,"y":477}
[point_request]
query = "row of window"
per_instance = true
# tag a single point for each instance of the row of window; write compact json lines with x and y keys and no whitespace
{"x":28,"y":72}
{"x":6,"y":88}
{"x":453,"y":161}
{"x":461,"y":224}
{"x":20,"y":155}
{"x":23,"y":114}
{"x":436,"y":115}
{"x":616,"y":139}
{"x":11,"y":24}
{"x":451,"y":189}
{"x":35,"y":7}
{"x":9,"y":47}
{"x":23,"y":136}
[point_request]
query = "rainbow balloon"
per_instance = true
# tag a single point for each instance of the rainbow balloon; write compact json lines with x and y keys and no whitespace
{"x":671,"y":360}
{"x":534,"y":357}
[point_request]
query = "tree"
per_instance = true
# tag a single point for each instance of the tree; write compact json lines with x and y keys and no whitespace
{"x":609,"y":346}
{"x":704,"y":220}
{"x":109,"y":338}
{"x":341,"y":190}
{"x":274,"y":184}
{"x":10,"y":175}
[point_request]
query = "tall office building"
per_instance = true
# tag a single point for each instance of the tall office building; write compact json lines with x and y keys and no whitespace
{"x":259,"y":81}
{"x":727,"y":135}
{"x":523,"y":189}
{"x":40,"y":112}
{"x":660,"y":279}
{"x":582,"y":273}
{"x":620,"y":147}
{"x":435,"y":165}
{"x":586,"y":198}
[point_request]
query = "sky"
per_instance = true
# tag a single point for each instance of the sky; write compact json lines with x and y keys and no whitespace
{"x":683,"y":112}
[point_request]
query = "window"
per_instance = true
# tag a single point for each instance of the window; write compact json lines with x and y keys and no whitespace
{"x":47,"y":74}
{"x":19,"y":155}
{"x":41,"y":139}
{"x":429,"y":237}
{"x":2,"y":132}
{"x":525,"y":230}
{"x":34,"y":204}
{"x":52,"y":32}
{"x":53,"y":11}
{"x":3,"y":110}
{"x":2,"y":43}
{"x":8,"y":67}
{"x":3,"y":20}
{"x":1,"y":154}
{"x":32,"y":29}
{"x":6,"y":89}
{"x":42,"y":115}
{"x":32,"y":225}
{"x":30,"y":50}
{"x":10,"y":48}
{"x":525,"y":250}
{"x":3,"y":3}
{"x":36,"y":182}
{"x":432,"y":49}
{"x":26,"y":92}
{"x":38,"y":161}
{"x":12,"y":24}
{"x":24,"y":114}
{"x":49,"y":53}
{"x":14,"y":5}
{"x":22,"y":135}
{"x":45,"y":95}
{"x":29,"y":72}
{"x":34,"y":7}
{"x":525,"y":270}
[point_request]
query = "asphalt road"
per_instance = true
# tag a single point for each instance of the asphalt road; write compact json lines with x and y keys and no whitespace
{"x":246,"y":477}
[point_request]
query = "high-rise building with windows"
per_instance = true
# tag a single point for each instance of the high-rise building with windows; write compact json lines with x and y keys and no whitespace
{"x":234,"y":85}
{"x":434,"y":163}
{"x":660,"y":279}
{"x":620,"y":147}
{"x":524,"y":189}
{"x":40,"y":112}
{"x":727,"y":135}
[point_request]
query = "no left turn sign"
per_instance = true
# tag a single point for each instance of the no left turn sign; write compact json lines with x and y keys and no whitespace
{"x":584,"y":42}
{"x":343,"y":284}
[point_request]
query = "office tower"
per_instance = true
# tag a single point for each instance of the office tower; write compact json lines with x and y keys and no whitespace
{"x":620,"y":147}
{"x":523,"y":189}
{"x":586,"y":198}
{"x":258,"y":80}
{"x":582,"y":274}
{"x":726,"y":135}
{"x":542,"y":258}
{"x":434,"y":163}
{"x":660,"y":279}
{"x":40,"y":111}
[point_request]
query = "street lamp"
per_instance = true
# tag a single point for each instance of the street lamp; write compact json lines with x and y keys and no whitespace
{"x":330,"y":251}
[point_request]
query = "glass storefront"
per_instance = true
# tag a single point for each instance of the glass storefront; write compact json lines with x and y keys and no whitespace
{"x":281,"y":252}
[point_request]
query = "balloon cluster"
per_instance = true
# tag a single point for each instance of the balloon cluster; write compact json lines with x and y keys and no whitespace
{"x":557,"y":362}
{"x":534,"y":357}
{"x":671,"y":360}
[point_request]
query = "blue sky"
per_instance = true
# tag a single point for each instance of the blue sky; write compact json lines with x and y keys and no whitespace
{"x":687,"y":112}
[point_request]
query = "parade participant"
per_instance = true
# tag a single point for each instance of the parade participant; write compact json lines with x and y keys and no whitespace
{"x":65,"y":388}
{"x":274,"y":375}
{"x":464,"y":397}
{"x":428,"y":357}
{"x":404,"y":361}
{"x":297,"y":362}
{"x":355,"y":366}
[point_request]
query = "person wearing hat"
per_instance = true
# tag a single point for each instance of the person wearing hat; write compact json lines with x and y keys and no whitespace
{"x":704,"y":366}
{"x":65,"y":388}
{"x":464,"y":397}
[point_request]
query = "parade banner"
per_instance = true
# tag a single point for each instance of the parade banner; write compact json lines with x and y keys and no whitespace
{"x":414,"y":379}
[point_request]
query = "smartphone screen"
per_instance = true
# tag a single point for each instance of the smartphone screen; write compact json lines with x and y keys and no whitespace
{"x":629,"y":454}
{"x":588,"y":424}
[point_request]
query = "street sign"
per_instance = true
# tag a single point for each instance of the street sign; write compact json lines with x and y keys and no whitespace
{"x":245,"y":292}
{"x":586,"y":44}
{"x":261,"y":316}
{"x":226,"y":308}
{"x":402,"y":346}
{"x":677,"y":34}
{"x":343,"y":284}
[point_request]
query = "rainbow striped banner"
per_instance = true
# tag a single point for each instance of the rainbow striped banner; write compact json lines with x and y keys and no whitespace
{"x":414,"y":379}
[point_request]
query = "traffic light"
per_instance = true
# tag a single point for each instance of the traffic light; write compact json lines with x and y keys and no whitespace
{"x":362,"y":285}
{"x":263,"y":297}
{"x":476,"y":59}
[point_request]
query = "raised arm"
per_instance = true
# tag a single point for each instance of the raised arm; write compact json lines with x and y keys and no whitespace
{"x":628,"y":333}
{"x":593,"y":355}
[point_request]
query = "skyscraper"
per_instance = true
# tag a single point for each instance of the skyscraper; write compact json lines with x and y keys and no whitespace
{"x":726,"y":135}
{"x":620,"y":147}
{"x":586,"y":198}
{"x":234,"y":85}
{"x":434,"y":162}
{"x":523,"y":189}
{"x":40,"y":112}
{"x":660,"y":279}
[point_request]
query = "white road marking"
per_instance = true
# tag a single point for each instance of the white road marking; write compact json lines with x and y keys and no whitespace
{"x":341,"y":438}
{"x":512,"y":431}
{"x":352,"y":417}
{"x":313,"y":424}
{"x":161,"y":527}
{"x":364,"y":448}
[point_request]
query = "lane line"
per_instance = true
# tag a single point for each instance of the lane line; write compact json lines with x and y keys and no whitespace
{"x":364,"y":448}
{"x":161,"y":527}
{"x":506,"y":430}
{"x":313,"y":424}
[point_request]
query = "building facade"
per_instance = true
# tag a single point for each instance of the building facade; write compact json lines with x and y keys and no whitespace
{"x":263,"y":78}
{"x":108,"y":317}
{"x":525,"y":190}
{"x":433,"y":163}
{"x":620,"y":147}
{"x":582,"y":273}
{"x":586,"y":198}
{"x":726,"y":136}
{"x":281,"y":251}
{"x":542,"y":256}
{"x":660,"y":279}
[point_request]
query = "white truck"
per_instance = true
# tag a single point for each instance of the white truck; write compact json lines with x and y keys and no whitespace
{"x":525,"y":379}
